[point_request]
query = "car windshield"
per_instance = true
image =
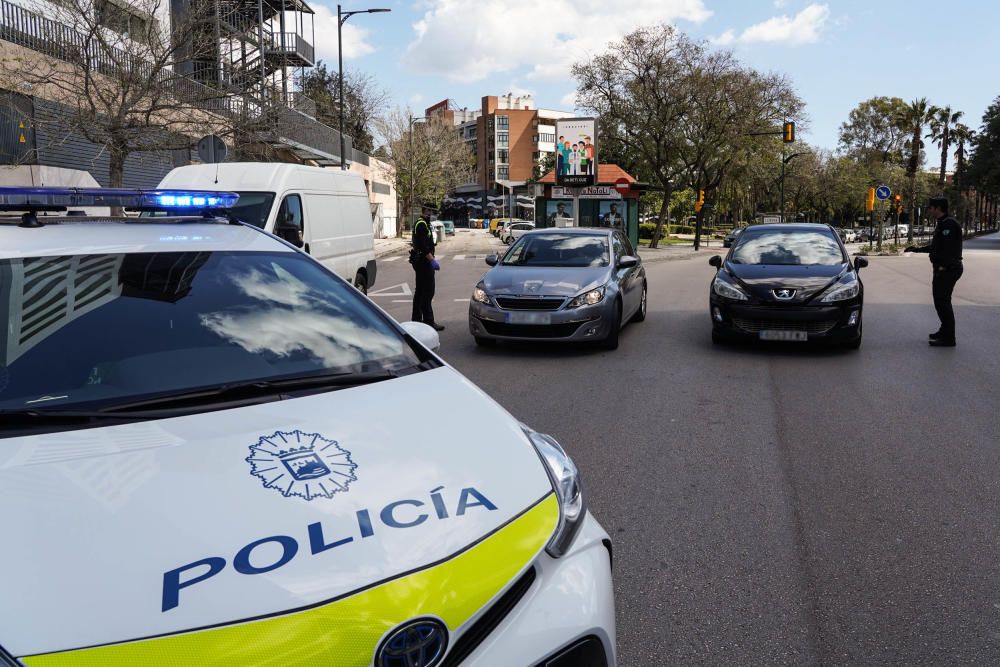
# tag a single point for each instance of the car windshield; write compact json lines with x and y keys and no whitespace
{"x":254,"y":207}
{"x":96,"y":329}
{"x":787,"y":248}
{"x":554,"y":249}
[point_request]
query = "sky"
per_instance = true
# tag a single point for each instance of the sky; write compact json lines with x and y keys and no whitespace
{"x":836,"y":53}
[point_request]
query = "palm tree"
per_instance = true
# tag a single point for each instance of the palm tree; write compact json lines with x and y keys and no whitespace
{"x":942,"y":120}
{"x":961,"y":135}
{"x":911,"y":119}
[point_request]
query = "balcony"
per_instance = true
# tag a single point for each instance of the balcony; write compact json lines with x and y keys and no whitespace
{"x":290,"y":49}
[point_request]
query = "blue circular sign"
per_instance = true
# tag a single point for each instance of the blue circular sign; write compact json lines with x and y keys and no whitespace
{"x":883,"y":192}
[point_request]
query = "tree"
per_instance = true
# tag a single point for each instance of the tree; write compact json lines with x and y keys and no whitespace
{"x":637,"y":89}
{"x":941,"y":120}
{"x":113,"y":75}
{"x":983,"y":170}
{"x":871,"y":134}
{"x":428,"y":158}
{"x":962,"y":136}
{"x":911,"y":120}
{"x":364,"y":103}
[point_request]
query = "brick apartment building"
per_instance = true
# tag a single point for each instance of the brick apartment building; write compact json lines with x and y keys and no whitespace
{"x":510,"y":138}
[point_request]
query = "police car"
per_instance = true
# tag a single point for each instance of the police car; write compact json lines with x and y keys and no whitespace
{"x":214,"y":451}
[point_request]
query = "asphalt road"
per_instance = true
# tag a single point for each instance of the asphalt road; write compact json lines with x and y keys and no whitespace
{"x":777,"y":505}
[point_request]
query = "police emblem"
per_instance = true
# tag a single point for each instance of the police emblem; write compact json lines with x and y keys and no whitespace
{"x":300,"y":464}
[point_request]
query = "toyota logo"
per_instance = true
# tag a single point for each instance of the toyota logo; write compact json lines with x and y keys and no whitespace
{"x":419,"y":643}
{"x":784,"y":294}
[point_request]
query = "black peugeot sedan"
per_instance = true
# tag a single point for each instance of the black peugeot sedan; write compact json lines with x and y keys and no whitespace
{"x":787,"y":282}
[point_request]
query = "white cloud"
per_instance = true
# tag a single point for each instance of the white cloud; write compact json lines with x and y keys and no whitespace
{"x":803,"y":28}
{"x":568,"y":100}
{"x":469,"y":42}
{"x":780,"y":4}
{"x":355,"y":37}
{"x":728,"y":37}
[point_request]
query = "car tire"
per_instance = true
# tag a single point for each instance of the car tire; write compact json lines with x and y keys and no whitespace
{"x":485,"y":342}
{"x":361,"y":282}
{"x":640,"y":315}
{"x":611,"y":341}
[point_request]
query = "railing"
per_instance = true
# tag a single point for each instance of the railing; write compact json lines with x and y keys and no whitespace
{"x":291,"y":43}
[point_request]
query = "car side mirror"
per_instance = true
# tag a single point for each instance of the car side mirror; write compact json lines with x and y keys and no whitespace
{"x":627,"y":262}
{"x":492,"y":260}
{"x":860,"y":263}
{"x":290,"y":233}
{"x":716,"y":261}
{"x":423,"y":334}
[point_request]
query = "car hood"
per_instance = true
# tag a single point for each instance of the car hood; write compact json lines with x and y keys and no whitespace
{"x":100,"y":524}
{"x":544,"y":281}
{"x":760,"y":280}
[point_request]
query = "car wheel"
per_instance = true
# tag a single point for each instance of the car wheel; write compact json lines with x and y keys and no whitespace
{"x":640,"y":314}
{"x":485,"y":342}
{"x":361,"y":282}
{"x":611,"y":342}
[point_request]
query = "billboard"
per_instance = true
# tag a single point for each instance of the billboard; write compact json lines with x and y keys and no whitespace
{"x":576,"y":152}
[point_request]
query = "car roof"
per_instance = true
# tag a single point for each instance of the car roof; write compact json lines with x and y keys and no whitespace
{"x":60,"y":235}
{"x":792,"y":226}
{"x":579,"y":231}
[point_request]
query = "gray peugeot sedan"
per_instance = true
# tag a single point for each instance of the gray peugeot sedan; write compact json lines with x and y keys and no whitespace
{"x":578,"y":284}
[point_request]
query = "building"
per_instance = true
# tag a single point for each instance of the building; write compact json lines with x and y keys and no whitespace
{"x":600,"y":205}
{"x":512,"y":140}
{"x":237,"y":63}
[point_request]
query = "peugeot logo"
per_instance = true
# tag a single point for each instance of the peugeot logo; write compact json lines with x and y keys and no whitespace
{"x":419,"y":643}
{"x":784,"y":294}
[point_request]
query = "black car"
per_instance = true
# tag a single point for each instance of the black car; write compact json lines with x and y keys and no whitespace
{"x":787,"y":282}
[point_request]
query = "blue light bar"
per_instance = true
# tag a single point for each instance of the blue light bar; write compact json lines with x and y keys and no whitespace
{"x":58,"y":199}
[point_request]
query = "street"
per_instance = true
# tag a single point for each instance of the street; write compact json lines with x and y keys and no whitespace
{"x":772,"y":505}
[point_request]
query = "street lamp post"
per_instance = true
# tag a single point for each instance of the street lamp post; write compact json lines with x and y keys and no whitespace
{"x":342,"y":17}
{"x":784,"y":161}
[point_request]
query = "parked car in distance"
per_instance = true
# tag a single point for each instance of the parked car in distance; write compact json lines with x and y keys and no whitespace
{"x":847,"y":235}
{"x":731,"y":236}
{"x":449,"y":227}
{"x":517,"y":230}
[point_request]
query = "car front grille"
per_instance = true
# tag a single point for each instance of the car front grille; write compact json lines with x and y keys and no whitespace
{"x":812,"y":327}
{"x":489,"y":621}
{"x":531,"y":330}
{"x":588,"y":652}
{"x":517,"y":303}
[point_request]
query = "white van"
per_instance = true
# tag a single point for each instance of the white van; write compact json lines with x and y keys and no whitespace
{"x":324,"y":211}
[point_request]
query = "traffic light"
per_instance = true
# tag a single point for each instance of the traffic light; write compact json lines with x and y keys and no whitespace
{"x":899,"y":203}
{"x":701,"y":201}
{"x":788,"y":132}
{"x":870,"y":202}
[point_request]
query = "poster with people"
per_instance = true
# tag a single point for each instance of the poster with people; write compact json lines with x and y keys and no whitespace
{"x":559,"y":213}
{"x":576,"y":152}
{"x":613,"y":214}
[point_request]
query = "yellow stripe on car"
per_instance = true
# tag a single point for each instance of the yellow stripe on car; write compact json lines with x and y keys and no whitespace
{"x":345,"y":632}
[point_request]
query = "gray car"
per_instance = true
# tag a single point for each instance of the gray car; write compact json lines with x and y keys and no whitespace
{"x":560,"y":285}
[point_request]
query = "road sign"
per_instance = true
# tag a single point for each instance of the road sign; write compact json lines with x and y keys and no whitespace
{"x":622,"y":185}
{"x":211,"y":149}
{"x":883,"y":192}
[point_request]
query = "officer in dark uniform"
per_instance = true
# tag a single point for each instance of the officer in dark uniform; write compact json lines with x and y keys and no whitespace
{"x":946,"y":259}
{"x":424,"y":266}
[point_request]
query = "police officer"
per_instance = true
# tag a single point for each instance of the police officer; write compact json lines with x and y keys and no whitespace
{"x":424,"y":266}
{"x":946,"y":259}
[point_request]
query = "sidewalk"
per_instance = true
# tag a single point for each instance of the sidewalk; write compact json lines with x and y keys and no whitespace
{"x":677,"y":252}
{"x":391,"y":246}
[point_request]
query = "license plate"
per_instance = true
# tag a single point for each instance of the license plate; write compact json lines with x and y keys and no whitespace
{"x":796,"y":336}
{"x":529,"y":318}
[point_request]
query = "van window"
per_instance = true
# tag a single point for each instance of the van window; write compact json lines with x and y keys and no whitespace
{"x":254,"y":207}
{"x":289,"y":224}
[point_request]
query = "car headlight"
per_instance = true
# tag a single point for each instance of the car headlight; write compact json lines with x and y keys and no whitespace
{"x":480,"y":295}
{"x":566,"y":482}
{"x":591,"y":298}
{"x":727,"y":290}
{"x":843,"y":291}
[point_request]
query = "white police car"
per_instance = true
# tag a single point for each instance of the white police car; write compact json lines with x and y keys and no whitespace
{"x":213,"y":451}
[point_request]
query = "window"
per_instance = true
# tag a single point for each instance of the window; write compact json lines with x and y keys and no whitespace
{"x":503,"y":123}
{"x":503,"y":139}
{"x":254,"y":207}
{"x":787,"y":248}
{"x":547,"y":138}
{"x":114,"y":16}
{"x":534,"y":138}
{"x":289,"y":224}
{"x":154,"y":324}
{"x":616,"y":241}
{"x":536,"y":156}
{"x":557,"y":249}
{"x":503,"y":173}
{"x":503,"y":156}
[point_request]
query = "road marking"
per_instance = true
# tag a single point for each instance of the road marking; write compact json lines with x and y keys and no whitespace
{"x":392,"y":259}
{"x":462,"y":300}
{"x":402,"y":289}
{"x":459,"y":257}
{"x":402,"y":300}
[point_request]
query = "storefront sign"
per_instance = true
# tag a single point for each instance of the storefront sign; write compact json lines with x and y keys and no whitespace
{"x":592,"y":192}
